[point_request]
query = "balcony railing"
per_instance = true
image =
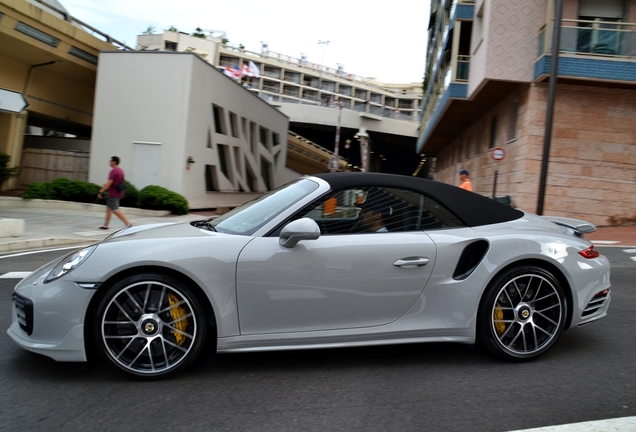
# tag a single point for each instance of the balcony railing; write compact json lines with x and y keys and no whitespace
{"x":606,"y":38}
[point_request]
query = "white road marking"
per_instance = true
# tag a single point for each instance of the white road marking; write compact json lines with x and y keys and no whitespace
{"x":629,"y":250}
{"x":15,"y":275}
{"x":605,"y":242}
{"x":622,"y":424}
{"x":42,"y":251}
{"x":633,"y":258}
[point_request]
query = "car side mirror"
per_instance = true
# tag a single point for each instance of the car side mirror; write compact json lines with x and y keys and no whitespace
{"x":301,"y":229}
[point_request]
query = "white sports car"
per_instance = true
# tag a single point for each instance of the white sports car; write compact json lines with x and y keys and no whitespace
{"x":331,"y":260}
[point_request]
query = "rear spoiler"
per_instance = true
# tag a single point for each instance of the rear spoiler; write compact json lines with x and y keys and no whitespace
{"x":578,"y":225}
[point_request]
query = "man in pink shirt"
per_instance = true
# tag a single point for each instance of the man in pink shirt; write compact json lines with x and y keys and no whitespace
{"x":115,"y":177}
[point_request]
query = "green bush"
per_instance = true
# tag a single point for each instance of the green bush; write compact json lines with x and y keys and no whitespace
{"x":6,"y":172}
{"x":131,"y":196}
{"x":159,"y":198}
{"x":38,"y":191}
{"x":74,"y":190}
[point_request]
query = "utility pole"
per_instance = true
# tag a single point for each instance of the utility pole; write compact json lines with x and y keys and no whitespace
{"x":554,"y":67}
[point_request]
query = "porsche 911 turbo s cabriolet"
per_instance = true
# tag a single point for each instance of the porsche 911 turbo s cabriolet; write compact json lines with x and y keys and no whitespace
{"x":330,"y":260}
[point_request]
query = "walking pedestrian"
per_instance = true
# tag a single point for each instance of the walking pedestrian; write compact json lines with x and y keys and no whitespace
{"x":465,"y":184}
{"x":115,"y":178}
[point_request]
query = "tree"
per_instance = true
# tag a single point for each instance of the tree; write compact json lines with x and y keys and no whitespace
{"x":150,"y":30}
{"x":225,"y":41}
{"x":173,"y":29}
{"x":198,"y":33}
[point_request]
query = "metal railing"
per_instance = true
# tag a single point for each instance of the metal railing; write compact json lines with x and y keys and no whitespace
{"x":315,"y":67}
{"x":595,"y":37}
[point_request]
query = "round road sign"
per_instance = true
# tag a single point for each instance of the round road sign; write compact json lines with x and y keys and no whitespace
{"x":498,"y":153}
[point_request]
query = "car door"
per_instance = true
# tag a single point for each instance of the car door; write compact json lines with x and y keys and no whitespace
{"x":341,"y":280}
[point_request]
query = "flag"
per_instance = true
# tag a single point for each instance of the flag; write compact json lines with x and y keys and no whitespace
{"x":245,"y":71}
{"x":227,"y":71}
{"x":254,"y":70}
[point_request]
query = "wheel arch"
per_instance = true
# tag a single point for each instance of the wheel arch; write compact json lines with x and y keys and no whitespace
{"x":545,"y":265}
{"x":210,"y":315}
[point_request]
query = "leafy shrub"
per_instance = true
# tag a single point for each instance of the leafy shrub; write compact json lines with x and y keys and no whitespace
{"x":6,"y":172}
{"x":131,"y":196}
{"x":74,"y":190}
{"x":159,"y":198}
{"x":38,"y":191}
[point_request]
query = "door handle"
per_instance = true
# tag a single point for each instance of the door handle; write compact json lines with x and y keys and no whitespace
{"x":411,"y":262}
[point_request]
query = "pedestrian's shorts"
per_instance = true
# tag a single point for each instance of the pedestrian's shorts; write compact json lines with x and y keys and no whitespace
{"x":112,"y":203}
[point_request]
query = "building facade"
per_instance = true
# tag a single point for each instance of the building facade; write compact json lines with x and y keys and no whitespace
{"x":487,"y":77}
{"x":215,"y":144}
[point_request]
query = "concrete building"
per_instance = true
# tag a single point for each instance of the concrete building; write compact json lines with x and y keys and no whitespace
{"x":176,"y":121}
{"x":487,"y":73}
{"x":310,"y":93}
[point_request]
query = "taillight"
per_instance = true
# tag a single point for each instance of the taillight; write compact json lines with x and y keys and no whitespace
{"x":589,"y":253}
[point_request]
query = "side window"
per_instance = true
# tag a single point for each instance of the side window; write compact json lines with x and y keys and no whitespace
{"x":376,"y":210}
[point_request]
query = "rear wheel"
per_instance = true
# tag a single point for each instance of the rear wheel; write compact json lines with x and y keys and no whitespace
{"x":522,"y":314}
{"x":149,"y":325}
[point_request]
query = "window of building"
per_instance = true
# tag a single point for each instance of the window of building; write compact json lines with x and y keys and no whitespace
{"x":250,"y":178}
{"x":210,"y":179}
{"x":275,"y":139}
{"x":224,"y":155}
{"x":376,"y":98}
{"x":253,"y":137}
{"x":292,"y":91}
{"x":293,"y":77}
{"x":467,"y":144}
{"x":219,"y":119}
{"x":478,"y":138}
{"x":272,"y":86}
{"x":344,"y":90}
{"x":266,"y":173}
{"x":234,"y":125}
{"x":264,"y":137}
{"x":310,"y":81}
{"x":361,"y":94}
{"x":329,"y":86}
{"x":271,"y":72}
{"x":493,"y":132}
{"x":170,"y":46}
{"x":390,"y":102}
{"x":310,"y":95}
{"x":512,"y":122}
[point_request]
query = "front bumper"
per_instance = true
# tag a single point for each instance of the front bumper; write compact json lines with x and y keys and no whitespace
{"x":49,"y":318}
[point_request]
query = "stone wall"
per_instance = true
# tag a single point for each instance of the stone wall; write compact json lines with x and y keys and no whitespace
{"x":592,"y":169}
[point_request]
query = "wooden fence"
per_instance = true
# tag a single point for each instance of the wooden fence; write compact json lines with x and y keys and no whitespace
{"x":42,"y":165}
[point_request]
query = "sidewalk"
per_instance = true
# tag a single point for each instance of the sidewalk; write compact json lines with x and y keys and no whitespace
{"x":49,"y":223}
{"x":59,"y":223}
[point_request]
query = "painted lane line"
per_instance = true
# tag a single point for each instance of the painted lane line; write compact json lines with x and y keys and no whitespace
{"x":15,"y":275}
{"x":630,"y":251}
{"x":605,"y":242}
{"x":633,"y":258}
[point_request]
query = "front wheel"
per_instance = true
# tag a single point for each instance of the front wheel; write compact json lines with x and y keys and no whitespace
{"x":149,"y":325}
{"x":522,"y":313}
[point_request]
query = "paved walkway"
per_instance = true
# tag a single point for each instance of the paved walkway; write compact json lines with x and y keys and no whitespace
{"x":56,"y":223}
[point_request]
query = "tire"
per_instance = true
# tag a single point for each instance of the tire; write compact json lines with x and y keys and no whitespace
{"x":149,"y":326}
{"x":522,"y":313}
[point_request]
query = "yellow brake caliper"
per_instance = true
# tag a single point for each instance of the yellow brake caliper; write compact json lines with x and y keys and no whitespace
{"x":498,"y":315}
{"x":180,"y":323}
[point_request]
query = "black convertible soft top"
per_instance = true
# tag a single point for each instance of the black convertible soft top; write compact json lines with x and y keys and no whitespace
{"x":469,"y":207}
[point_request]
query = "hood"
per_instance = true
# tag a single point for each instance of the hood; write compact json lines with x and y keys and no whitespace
{"x":160,"y":230}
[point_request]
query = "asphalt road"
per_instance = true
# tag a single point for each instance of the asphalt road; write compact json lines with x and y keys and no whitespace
{"x":590,"y":374}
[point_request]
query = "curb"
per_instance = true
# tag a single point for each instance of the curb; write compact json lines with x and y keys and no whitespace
{"x":17,"y":202}
{"x":39,"y":243}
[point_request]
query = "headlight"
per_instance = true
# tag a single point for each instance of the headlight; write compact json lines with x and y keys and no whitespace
{"x":69,"y":263}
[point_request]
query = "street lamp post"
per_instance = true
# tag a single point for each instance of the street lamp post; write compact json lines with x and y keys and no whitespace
{"x":322,"y":60}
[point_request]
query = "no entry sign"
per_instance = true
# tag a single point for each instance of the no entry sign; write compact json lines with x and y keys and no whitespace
{"x":498,"y":153}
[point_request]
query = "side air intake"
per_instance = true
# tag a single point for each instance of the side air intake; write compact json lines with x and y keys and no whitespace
{"x":470,"y":259}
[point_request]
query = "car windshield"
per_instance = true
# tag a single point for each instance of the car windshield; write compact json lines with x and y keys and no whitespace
{"x":249,"y":217}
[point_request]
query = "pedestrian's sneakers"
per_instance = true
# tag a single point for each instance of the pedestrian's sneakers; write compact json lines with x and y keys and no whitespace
{"x":103,"y":227}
